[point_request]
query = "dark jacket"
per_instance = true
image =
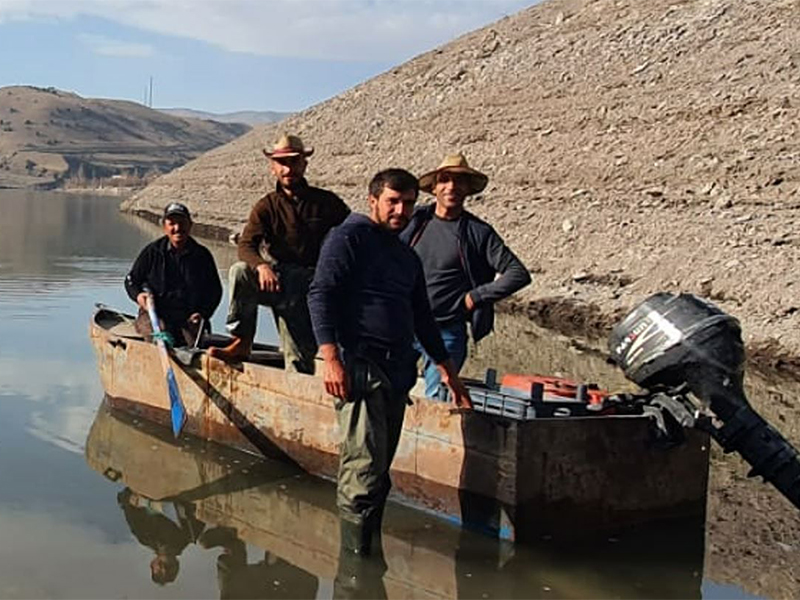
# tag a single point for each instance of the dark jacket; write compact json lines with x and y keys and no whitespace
{"x":157,"y":531}
{"x":369,"y":288}
{"x":290,"y":231}
{"x":182,"y":283}
{"x":484,"y":255}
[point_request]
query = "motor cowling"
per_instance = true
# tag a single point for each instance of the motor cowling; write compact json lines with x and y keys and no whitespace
{"x":686,"y":343}
{"x":669,"y":341}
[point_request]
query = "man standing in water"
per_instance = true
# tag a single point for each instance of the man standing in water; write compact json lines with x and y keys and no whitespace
{"x":278,"y":251}
{"x":182,"y":276}
{"x":367,"y":302}
{"x":461,"y":255}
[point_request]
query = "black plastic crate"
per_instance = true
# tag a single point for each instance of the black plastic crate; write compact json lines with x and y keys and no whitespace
{"x":493,"y":401}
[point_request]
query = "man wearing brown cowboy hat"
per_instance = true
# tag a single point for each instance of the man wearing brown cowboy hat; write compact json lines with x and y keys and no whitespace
{"x":461,"y":256}
{"x":278,"y":252}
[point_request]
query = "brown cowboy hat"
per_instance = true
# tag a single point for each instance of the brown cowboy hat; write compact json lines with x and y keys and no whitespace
{"x":288,"y":145}
{"x":455,"y":163}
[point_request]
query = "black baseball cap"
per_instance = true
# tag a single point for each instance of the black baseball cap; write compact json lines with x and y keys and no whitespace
{"x":176,"y":208}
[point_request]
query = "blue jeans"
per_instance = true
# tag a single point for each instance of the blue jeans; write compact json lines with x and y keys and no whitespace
{"x":454,"y":337}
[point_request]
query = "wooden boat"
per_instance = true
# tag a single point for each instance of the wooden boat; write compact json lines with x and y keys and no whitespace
{"x":518,"y":479}
{"x":290,"y":523}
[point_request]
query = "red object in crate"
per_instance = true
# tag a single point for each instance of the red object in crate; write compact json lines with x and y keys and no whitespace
{"x":555,"y":386}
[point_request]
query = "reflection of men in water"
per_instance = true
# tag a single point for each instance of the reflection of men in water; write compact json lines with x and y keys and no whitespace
{"x":182,"y":276}
{"x":165,"y":536}
{"x":269,"y":578}
{"x":367,"y":302}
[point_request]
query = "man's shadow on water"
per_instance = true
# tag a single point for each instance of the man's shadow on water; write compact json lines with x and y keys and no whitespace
{"x":169,"y":526}
{"x":270,"y":577}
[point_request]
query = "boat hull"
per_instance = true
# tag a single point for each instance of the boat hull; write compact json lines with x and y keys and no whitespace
{"x":515,"y":479}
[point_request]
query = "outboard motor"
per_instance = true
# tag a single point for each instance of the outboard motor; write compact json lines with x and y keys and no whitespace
{"x":684,"y":344}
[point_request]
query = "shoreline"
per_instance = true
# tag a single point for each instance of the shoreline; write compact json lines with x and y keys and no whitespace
{"x":122,"y":193}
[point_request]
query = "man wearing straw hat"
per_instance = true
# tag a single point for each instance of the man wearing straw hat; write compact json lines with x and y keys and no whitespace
{"x":278,"y":251}
{"x":461,"y":256}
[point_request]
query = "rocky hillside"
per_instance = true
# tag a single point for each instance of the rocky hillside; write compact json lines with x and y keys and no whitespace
{"x":631,"y":147}
{"x":51,"y":138}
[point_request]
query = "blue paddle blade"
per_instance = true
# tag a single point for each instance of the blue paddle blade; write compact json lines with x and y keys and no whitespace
{"x":176,"y":409}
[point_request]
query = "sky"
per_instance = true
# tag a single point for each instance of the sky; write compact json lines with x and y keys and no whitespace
{"x":225,"y":55}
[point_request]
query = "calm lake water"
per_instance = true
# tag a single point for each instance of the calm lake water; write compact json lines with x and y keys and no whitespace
{"x":69,"y":529}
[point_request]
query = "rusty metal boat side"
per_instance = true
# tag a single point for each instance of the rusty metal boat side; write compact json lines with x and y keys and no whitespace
{"x":512,"y":478}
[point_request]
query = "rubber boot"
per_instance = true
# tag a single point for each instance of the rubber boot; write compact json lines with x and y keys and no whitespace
{"x":376,"y":528}
{"x":361,"y":567}
{"x":356,"y":537}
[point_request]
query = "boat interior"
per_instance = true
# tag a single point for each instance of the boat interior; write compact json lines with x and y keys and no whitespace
{"x":122,"y":325}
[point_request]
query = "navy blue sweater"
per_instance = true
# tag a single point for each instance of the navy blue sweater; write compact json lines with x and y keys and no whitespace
{"x":369,"y":288}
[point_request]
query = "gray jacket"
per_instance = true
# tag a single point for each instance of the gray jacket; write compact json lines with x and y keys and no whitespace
{"x":483,"y":255}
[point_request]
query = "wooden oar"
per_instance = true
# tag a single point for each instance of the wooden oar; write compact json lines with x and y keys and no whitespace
{"x":176,"y":408}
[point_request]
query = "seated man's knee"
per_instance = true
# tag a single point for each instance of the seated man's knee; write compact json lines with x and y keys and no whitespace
{"x":239,"y":271}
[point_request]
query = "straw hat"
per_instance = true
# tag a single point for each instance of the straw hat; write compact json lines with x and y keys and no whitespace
{"x":455,"y":163}
{"x":288,"y":145}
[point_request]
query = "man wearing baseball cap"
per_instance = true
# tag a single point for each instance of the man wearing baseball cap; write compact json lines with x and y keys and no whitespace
{"x":461,"y":257}
{"x":278,"y":251}
{"x":182,"y":276}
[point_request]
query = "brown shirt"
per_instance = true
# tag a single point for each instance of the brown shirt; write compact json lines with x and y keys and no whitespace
{"x":291,"y":229}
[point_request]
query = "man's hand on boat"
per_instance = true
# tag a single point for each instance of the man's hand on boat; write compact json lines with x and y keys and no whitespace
{"x":449,"y":375}
{"x":267,"y":279}
{"x":336,"y":383}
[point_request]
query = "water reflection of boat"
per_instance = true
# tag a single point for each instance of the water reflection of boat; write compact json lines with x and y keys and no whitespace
{"x":518,"y":478}
{"x":224,"y":500}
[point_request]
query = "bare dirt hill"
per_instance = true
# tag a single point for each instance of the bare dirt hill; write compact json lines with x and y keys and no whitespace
{"x":631,"y":147}
{"x":248,"y":117}
{"x":49,"y":138}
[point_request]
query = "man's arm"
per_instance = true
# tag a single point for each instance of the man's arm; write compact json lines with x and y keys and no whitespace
{"x":326,"y":293}
{"x":425,"y":326}
{"x":255,"y":231}
{"x":325,"y":297}
{"x":513,"y":274}
{"x":138,"y":275}
{"x":427,"y":331}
